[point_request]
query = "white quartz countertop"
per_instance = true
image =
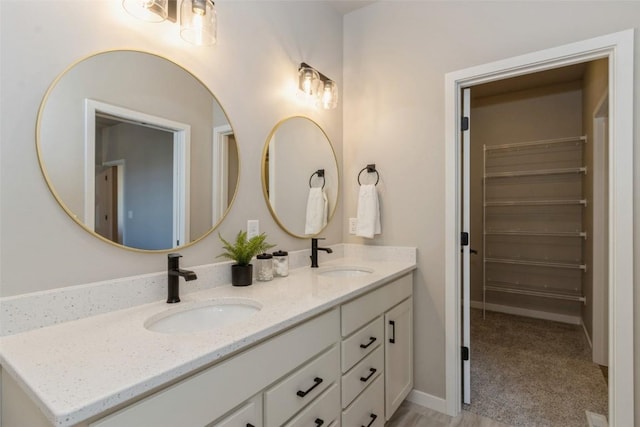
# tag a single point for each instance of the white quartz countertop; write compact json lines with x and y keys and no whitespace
{"x":79,"y":369}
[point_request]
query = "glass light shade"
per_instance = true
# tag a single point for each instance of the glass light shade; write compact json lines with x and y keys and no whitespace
{"x":329,"y":97}
{"x":308,"y":81}
{"x":198,"y":22}
{"x":147,"y":10}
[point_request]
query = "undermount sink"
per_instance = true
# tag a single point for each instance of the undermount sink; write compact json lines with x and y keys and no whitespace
{"x":344,"y":271}
{"x":202,"y":316}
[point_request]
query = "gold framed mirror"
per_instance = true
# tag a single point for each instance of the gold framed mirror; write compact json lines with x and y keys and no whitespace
{"x":137,"y":150}
{"x":300,"y":178}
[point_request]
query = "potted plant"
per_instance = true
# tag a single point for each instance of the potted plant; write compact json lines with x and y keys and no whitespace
{"x":242,"y":251}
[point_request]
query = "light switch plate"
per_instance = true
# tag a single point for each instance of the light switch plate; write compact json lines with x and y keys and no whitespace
{"x":353,"y":223}
{"x":253,"y":228}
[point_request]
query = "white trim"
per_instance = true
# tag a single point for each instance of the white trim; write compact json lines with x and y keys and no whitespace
{"x":427,"y":400}
{"x":618,"y":48}
{"x":526,"y":312}
{"x":181,"y":162}
{"x":220,"y":172}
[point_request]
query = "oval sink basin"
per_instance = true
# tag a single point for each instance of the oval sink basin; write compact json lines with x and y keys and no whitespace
{"x":203,"y":316}
{"x":344,"y":271}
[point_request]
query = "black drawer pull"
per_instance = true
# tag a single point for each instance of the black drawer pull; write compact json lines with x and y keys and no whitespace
{"x":368,"y":377}
{"x":371,"y":341}
{"x":319,"y":421}
{"x":250,"y":425}
{"x":392,"y":340}
{"x":373,"y":418}
{"x":317,"y":381}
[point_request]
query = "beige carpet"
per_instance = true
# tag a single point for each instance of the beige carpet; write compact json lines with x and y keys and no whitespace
{"x":531,"y":372}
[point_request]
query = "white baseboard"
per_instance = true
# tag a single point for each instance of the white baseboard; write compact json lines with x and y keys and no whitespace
{"x":428,"y":401}
{"x":537,"y":314}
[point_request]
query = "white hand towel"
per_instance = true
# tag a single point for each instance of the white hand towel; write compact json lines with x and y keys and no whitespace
{"x":317,"y":209}
{"x":368,"y":212}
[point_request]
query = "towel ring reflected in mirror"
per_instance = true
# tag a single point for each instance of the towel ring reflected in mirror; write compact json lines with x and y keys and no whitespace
{"x":371,"y":168}
{"x":320,"y":174}
{"x":295,"y":146}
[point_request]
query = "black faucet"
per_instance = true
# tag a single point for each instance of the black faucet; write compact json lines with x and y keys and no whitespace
{"x":314,"y":251}
{"x":173,"y":274}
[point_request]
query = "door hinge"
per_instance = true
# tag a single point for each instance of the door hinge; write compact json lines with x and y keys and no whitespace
{"x":464,"y":238}
{"x":465,"y":123}
{"x":465,"y":353}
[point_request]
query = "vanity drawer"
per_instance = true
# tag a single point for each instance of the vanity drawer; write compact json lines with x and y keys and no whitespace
{"x":300,"y":388}
{"x":368,"y":409}
{"x":363,"y":374}
{"x":324,"y":411}
{"x":361,"y":343}
{"x":250,"y":414}
{"x":362,"y":310}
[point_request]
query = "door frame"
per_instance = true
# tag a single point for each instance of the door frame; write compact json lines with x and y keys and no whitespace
{"x":181,"y":162}
{"x":619,"y":49}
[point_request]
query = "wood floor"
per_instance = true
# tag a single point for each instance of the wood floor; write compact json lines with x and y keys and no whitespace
{"x":412,"y":415}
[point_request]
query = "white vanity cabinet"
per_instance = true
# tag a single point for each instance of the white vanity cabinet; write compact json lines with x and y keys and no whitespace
{"x":248,"y":415}
{"x":377,"y":353}
{"x":231,"y":393}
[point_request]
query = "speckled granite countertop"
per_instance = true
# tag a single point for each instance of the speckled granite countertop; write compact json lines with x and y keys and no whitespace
{"x":78,"y":369}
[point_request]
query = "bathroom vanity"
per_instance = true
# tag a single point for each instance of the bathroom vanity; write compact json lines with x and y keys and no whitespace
{"x":329,"y":346}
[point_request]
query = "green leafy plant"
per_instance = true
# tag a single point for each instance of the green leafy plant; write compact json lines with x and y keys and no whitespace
{"x":243,"y":250}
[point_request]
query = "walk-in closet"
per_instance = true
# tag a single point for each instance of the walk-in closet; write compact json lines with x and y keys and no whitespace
{"x":537,"y":204}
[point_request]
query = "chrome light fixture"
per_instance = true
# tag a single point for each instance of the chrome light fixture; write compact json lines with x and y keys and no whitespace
{"x":147,"y":10}
{"x":198,"y":22}
{"x":316,"y":87}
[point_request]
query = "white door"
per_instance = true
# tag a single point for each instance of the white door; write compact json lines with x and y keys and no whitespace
{"x":466,"y":245}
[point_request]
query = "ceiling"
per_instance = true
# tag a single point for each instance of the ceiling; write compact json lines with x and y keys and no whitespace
{"x":566,"y":74}
{"x":345,"y":6}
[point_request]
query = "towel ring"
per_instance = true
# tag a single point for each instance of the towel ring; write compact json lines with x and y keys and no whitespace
{"x":320,"y":173}
{"x":370,"y":169}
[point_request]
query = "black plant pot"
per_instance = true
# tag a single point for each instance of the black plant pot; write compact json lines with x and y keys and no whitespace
{"x":241,"y":275}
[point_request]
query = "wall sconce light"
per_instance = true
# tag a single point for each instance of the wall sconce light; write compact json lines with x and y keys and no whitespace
{"x":198,"y":19}
{"x":198,"y":22}
{"x":316,"y":87}
{"x":148,"y":10}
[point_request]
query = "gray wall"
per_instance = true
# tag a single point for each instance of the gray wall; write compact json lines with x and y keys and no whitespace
{"x":252,"y":73}
{"x":541,"y":113}
{"x":396,"y":57}
{"x":595,"y":85}
{"x":148,"y":183}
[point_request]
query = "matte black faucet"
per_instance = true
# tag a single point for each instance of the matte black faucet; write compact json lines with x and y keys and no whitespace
{"x":173,"y":275}
{"x":314,"y":251}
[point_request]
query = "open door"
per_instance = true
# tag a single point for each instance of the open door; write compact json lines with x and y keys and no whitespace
{"x":466,"y":248}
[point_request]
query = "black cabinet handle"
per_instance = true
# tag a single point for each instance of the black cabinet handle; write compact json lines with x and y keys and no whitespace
{"x":373,"y":418}
{"x":319,"y":421}
{"x":316,"y":381}
{"x":371,"y":341}
{"x":250,"y":425}
{"x":371,"y":372}
{"x":392,"y":340}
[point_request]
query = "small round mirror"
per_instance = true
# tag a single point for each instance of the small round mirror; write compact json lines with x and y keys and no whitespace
{"x":300,"y":179}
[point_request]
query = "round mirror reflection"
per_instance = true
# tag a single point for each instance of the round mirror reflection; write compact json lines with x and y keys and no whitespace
{"x":300,"y":176}
{"x":137,"y":150}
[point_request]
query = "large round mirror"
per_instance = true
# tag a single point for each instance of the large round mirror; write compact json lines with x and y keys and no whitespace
{"x":300,"y":176}
{"x":137,"y":150}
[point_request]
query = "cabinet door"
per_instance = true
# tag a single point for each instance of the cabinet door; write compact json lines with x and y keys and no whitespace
{"x":398,"y":354}
{"x":249,"y":415}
